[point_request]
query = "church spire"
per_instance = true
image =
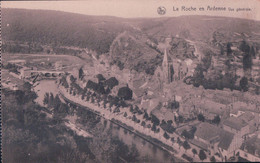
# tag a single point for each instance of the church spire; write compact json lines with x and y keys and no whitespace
{"x":165,"y":58}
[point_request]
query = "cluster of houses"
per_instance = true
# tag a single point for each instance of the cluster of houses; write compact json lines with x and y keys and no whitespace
{"x":239,"y":121}
{"x":232,"y":135}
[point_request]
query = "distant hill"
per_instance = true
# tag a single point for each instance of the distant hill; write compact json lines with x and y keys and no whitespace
{"x":61,"y":28}
{"x":98,"y":32}
{"x":131,"y":43}
{"x":199,"y":28}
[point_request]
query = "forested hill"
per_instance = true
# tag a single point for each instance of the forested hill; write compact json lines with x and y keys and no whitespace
{"x":61,"y":28}
{"x":97,"y":33}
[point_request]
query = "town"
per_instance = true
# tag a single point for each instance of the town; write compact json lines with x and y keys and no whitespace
{"x":132,"y":91}
{"x":202,"y":125}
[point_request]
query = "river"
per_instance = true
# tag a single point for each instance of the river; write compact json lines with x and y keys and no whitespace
{"x":145,"y":148}
{"x":44,"y":86}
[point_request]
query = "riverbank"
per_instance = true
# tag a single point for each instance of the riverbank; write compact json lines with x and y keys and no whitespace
{"x":128,"y":124}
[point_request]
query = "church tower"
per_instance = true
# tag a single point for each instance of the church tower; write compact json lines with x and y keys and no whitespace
{"x":167,"y":68}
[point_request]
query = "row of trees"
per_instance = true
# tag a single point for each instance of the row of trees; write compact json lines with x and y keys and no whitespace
{"x":59,"y":108}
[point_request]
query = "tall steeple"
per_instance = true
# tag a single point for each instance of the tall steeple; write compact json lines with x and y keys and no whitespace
{"x":167,"y":67}
{"x":165,"y":58}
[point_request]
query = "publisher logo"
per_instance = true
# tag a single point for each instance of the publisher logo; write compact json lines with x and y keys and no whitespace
{"x":161,"y":10}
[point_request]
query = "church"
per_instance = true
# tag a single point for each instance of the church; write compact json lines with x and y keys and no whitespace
{"x":164,"y":73}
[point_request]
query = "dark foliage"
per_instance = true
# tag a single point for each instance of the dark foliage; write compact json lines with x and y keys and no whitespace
{"x":244,"y":84}
{"x":125,"y":93}
{"x":202,"y":155}
{"x":99,"y":88}
{"x":155,"y":120}
{"x":167,"y":126}
{"x":59,"y":31}
{"x":201,"y":117}
{"x":111,"y":82}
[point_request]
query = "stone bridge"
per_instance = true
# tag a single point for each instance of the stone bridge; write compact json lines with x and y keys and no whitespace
{"x":48,"y":73}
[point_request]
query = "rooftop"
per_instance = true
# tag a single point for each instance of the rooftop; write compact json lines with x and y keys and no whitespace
{"x":247,"y":117}
{"x":252,"y":146}
{"x":225,"y":139}
{"x":235,"y":123}
{"x":207,"y":131}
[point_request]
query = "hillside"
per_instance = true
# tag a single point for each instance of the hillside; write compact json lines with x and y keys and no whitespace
{"x":61,"y":28}
{"x":130,"y":50}
{"x":98,"y":32}
{"x":135,"y":43}
{"x":199,"y":28}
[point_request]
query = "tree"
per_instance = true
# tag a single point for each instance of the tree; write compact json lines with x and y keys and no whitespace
{"x":143,"y":123}
{"x":229,"y":50}
{"x":247,"y":61}
{"x":216,"y":119}
{"x":185,"y":134}
{"x":244,"y":47}
{"x":166,"y":136}
{"x":244,"y":84}
{"x":201,"y":117}
{"x":111,"y":82}
{"x":179,"y":142}
{"x":202,"y":155}
{"x":155,"y":120}
{"x":146,"y":115}
{"x":186,"y":145}
{"x":46,"y":99}
{"x":213,"y":159}
{"x":131,"y":109}
{"x":125,"y":114}
{"x":51,"y":100}
{"x":81,"y":73}
{"x":194,"y":151}
{"x":56,"y":102}
{"x":134,"y":118}
{"x":153,"y":127}
{"x":125,"y":93}
{"x":72,"y":79}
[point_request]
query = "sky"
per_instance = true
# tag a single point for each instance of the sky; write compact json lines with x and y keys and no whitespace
{"x":144,"y":8}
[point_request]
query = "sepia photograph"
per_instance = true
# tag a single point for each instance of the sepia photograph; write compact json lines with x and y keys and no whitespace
{"x":130,"y":81}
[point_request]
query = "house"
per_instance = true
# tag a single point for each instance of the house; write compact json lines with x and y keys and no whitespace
{"x":210,"y":109}
{"x":236,"y":126}
{"x":25,"y":72}
{"x":250,"y":149}
{"x":251,"y":120}
{"x":215,"y":139}
{"x":228,"y":145}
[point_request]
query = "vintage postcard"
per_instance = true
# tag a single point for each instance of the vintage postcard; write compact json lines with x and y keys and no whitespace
{"x":136,"y":81}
